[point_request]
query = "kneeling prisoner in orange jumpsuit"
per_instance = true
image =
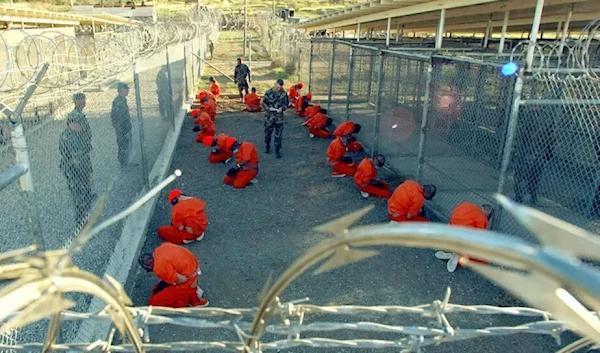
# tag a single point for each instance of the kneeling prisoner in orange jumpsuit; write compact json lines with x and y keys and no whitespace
{"x":293,"y":93}
{"x":348,"y":128}
{"x":246,"y":169}
{"x":302,"y":103}
{"x":407,"y":201}
{"x":365,"y":178}
{"x":341,"y":164}
{"x":311,"y":111}
{"x":220,"y":153}
{"x":188,"y":219}
{"x":178,"y":270}
{"x":467,"y":215}
{"x":318,"y":125}
{"x":252,"y":101}
{"x":205,"y":127}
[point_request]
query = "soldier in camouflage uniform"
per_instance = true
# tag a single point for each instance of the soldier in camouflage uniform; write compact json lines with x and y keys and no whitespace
{"x":75,"y":147}
{"x":121,"y":121}
{"x":274,"y":103}
{"x":242,"y":77}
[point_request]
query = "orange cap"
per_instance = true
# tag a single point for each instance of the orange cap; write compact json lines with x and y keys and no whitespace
{"x":300,"y":85}
{"x":174,"y":194}
{"x":194,"y":113}
{"x":201,"y":95}
{"x":208,"y":141}
{"x":309,"y":96}
{"x":230,"y":142}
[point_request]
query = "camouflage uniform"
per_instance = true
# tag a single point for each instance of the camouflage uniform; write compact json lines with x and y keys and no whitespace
{"x":121,"y":121}
{"x":273,"y":120}
{"x":240,"y":74}
{"x":76,"y":164}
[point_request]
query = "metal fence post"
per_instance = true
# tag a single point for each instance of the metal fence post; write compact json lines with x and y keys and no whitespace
{"x":170,"y":80}
{"x":185,"y":70}
{"x":138,"y":103}
{"x":423,"y":135}
{"x":370,"y":79}
{"x":331,"y":73}
{"x":22,"y":158}
{"x":397,"y":82}
{"x":349,"y":88}
{"x":193,"y":68}
{"x":509,"y":140}
{"x":310,"y":65}
{"x":299,"y":64}
{"x":375,"y":148}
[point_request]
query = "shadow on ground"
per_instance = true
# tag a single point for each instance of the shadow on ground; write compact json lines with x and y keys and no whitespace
{"x":264,"y":228}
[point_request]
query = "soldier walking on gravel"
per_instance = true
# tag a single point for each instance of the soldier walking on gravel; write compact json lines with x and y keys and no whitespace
{"x":75,"y":147}
{"x":121,"y":121}
{"x":274,"y":103}
{"x":242,"y":77}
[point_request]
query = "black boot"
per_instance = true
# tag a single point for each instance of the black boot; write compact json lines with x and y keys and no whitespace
{"x":277,"y":154}
{"x":268,"y":149}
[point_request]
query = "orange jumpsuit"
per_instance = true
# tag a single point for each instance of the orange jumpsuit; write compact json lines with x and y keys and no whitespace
{"x":347,"y":129}
{"x":335,"y":153}
{"x":469,"y":215}
{"x":293,"y":94}
{"x":210,"y":108}
{"x":207,"y":127}
{"x":187,"y":213}
{"x":169,"y":260}
{"x":252,"y":101}
{"x":407,"y":198}
{"x":215,"y":89}
{"x":365,"y":173}
{"x":310,"y":111}
{"x":223,"y":153}
{"x":299,"y":105}
{"x":246,"y":153}
{"x":206,"y":94}
{"x":316,"y":126}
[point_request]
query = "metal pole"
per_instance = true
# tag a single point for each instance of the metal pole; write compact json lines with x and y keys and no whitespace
{"x":423,"y":135}
{"x":535,"y":27}
{"x":488,"y":33}
{"x":22,"y":157}
{"x":170,"y":84}
{"x":250,"y":55}
{"x":310,"y":65}
{"x":331,"y":73}
{"x":387,"y":33}
{"x":185,"y":70}
{"x":358,"y":32}
{"x":504,"y":29}
{"x":140,"y":117}
{"x":193,"y":69}
{"x":11,"y":175}
{"x":245,"y":26}
{"x":375,"y":148}
{"x":563,"y":37}
{"x":511,"y":131}
{"x":440,"y":30}
{"x":398,"y":33}
{"x":558,"y":29}
{"x":349,"y":88}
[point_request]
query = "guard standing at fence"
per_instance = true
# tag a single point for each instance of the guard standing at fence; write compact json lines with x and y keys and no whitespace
{"x":242,"y":78}
{"x":533,"y":150}
{"x":275,"y":102}
{"x":178,"y":271}
{"x":121,"y":121}
{"x":75,"y":147}
{"x":163,"y":94}
{"x":407,"y":201}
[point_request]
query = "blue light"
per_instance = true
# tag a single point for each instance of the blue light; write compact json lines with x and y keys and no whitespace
{"x":510,"y":68}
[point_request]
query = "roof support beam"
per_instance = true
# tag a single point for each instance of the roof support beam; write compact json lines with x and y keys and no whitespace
{"x":535,"y":27}
{"x":440,"y":30}
{"x":504,"y":29}
{"x":387,"y":33}
{"x":565,"y":30}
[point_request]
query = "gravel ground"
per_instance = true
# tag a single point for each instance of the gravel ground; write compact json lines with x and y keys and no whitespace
{"x":265,"y":227}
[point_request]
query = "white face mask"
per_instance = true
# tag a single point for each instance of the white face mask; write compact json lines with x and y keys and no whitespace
{"x":236,"y":150}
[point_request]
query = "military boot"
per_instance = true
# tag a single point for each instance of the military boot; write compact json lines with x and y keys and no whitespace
{"x":268,"y":149}
{"x":277,"y":154}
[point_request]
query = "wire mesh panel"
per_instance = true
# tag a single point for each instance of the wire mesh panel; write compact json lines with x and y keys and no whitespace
{"x":319,"y":72}
{"x":555,"y":163}
{"x":362,"y":93}
{"x":401,"y":111}
{"x":339,"y":83}
{"x":467,"y":118}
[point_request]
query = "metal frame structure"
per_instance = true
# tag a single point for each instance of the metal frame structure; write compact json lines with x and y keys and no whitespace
{"x":35,"y":18}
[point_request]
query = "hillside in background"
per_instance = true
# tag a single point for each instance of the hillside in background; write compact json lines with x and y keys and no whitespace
{"x":304,"y":8}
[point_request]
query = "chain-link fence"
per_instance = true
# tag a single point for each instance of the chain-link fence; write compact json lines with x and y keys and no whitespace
{"x":449,"y":120}
{"x":89,"y":140}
